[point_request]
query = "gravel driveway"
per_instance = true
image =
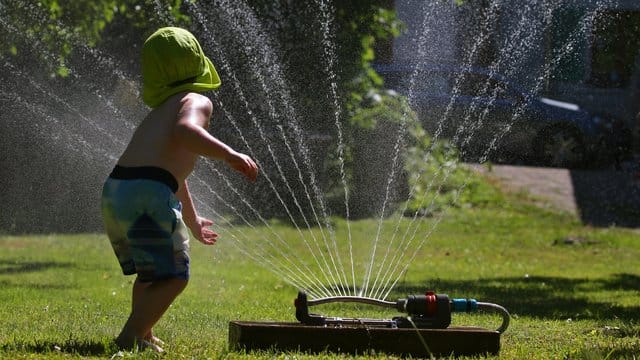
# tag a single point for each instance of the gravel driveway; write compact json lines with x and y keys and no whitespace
{"x":600,"y":197}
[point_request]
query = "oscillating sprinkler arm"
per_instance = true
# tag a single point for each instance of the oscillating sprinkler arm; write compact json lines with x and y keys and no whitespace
{"x":425,"y":311}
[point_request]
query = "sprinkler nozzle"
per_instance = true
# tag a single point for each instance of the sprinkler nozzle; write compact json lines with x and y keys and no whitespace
{"x":430,"y":310}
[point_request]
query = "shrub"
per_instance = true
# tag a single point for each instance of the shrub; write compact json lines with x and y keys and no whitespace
{"x":438,"y":180}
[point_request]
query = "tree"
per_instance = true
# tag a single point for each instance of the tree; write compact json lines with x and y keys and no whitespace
{"x":58,"y":27}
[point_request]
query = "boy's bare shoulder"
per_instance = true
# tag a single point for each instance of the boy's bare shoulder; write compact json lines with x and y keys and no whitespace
{"x":185,"y":101}
{"x":193,"y":107}
{"x":195,"y":101}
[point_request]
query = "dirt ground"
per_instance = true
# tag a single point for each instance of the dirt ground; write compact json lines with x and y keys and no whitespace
{"x":600,"y":197}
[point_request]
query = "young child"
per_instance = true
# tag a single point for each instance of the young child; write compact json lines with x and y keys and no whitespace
{"x":146,"y":202}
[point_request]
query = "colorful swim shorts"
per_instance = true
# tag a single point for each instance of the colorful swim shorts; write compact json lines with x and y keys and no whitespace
{"x":143,"y":219}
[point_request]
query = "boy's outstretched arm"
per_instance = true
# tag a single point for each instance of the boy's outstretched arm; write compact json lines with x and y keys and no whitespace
{"x":190,"y":130}
{"x":199,"y":226}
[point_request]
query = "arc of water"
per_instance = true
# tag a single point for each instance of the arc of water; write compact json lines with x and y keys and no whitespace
{"x":513,"y":51}
{"x":263,"y":257}
{"x":318,"y":261}
{"x":509,"y":44}
{"x":265,"y":52}
{"x":330,"y":58}
{"x":36,"y":44}
{"x":487,"y":21}
{"x":308,"y":274}
{"x":509,"y":48}
{"x":274,"y":70}
{"x":396,"y":260}
{"x":40,"y":111}
{"x":282,"y":201}
{"x":566,"y":50}
{"x":549,"y":66}
{"x":283,"y":93}
{"x":493,"y":12}
{"x":228,"y":69}
{"x":422,"y":41}
{"x":69,"y":107}
{"x":274,"y":261}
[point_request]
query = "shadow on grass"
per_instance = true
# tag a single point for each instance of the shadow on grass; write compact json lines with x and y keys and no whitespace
{"x":607,"y":198}
{"x":18,"y":268}
{"x":541,"y":296}
{"x":594,"y":353}
{"x":77,"y":347}
{"x":5,"y":285}
{"x":15,"y":267}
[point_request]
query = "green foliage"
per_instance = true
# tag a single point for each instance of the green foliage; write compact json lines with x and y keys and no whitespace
{"x":439,"y":180}
{"x":377,"y":107}
{"x":376,"y":137}
{"x":355,"y":28}
{"x":434,"y":175}
{"x":55,"y":27}
{"x":362,"y":25}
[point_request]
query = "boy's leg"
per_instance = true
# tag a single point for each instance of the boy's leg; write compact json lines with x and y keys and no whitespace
{"x":157,"y":245}
{"x":138,"y":288}
{"x":151,"y":302}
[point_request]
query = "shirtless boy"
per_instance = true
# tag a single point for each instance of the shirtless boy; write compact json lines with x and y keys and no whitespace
{"x":146,"y":204}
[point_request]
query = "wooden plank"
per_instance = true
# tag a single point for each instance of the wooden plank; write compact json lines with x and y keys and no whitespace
{"x":360,"y":339}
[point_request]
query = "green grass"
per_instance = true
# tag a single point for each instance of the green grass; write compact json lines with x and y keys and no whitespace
{"x":63,"y":296}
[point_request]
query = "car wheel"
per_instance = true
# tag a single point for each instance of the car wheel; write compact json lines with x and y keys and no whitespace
{"x":561,"y":147}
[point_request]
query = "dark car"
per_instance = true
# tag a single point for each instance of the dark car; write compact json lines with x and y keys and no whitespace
{"x":489,"y":117}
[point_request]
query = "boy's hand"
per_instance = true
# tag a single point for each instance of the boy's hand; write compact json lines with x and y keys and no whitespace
{"x":199,"y":229}
{"x":243,"y":164}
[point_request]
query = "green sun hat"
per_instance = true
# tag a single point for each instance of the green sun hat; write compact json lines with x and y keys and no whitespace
{"x":172,"y":62}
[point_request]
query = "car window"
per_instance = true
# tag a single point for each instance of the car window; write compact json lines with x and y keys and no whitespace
{"x":435,"y":83}
{"x":439,"y":82}
{"x":395,"y":80}
{"x":424,"y":82}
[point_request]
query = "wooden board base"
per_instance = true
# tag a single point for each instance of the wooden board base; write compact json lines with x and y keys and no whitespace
{"x":361,"y":339}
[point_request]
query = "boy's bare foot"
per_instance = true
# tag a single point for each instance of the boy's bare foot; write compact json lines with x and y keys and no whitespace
{"x":154,"y":340}
{"x":139,"y":345}
{"x":144,"y":345}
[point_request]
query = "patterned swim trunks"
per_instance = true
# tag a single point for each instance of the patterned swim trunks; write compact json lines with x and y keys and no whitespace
{"x":143,"y":220}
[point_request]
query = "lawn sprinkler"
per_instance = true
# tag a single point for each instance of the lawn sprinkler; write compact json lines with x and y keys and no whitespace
{"x":429,"y":311}
{"x":423,"y":330}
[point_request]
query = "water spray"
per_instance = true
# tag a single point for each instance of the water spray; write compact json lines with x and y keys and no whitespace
{"x":428,"y":311}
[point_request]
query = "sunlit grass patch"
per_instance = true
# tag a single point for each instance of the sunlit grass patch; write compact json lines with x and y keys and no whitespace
{"x":63,"y":296}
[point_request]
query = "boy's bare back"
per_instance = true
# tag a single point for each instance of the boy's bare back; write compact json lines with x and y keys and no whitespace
{"x":173,"y":135}
{"x":155,"y":143}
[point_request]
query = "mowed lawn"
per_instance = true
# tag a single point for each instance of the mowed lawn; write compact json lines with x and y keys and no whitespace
{"x":573,"y":290}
